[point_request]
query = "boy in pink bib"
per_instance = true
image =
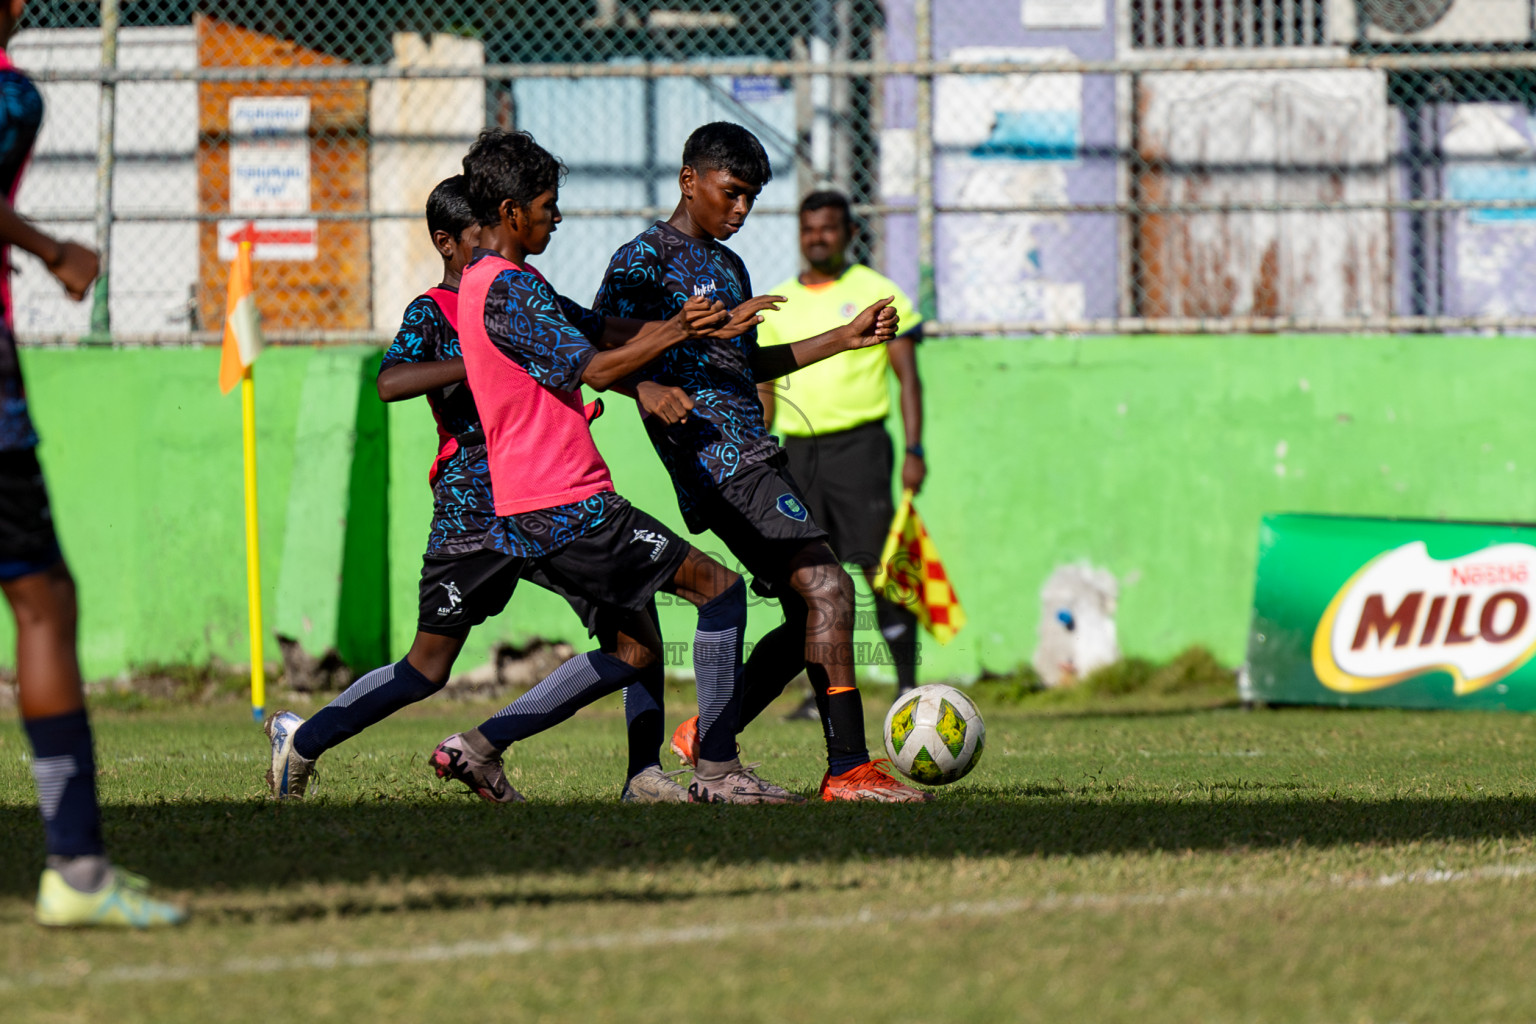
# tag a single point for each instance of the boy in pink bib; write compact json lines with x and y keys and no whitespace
{"x":527,"y":351}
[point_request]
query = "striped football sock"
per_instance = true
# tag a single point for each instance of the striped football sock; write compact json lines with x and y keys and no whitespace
{"x":556,"y":697}
{"x":717,"y":668}
{"x":371,"y":699}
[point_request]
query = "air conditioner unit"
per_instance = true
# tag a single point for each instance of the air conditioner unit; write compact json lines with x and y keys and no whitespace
{"x":1443,"y":24}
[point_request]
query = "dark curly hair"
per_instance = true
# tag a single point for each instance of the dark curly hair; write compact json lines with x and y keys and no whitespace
{"x":723,"y":146}
{"x":504,"y":165}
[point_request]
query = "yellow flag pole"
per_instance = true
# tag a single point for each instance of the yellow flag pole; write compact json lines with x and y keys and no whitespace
{"x":252,"y":543}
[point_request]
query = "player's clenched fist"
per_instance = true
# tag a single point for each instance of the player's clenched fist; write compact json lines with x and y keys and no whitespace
{"x":877,"y":325}
{"x":668,"y":404}
{"x":747,"y":315}
{"x":76,"y":267}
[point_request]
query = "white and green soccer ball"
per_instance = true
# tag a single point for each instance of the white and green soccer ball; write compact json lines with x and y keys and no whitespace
{"x":934,"y":735}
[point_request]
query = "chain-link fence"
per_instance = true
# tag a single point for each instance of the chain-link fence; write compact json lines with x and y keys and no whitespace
{"x":1019,"y":165}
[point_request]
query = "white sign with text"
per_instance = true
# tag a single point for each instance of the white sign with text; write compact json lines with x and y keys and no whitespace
{"x":269,"y":176}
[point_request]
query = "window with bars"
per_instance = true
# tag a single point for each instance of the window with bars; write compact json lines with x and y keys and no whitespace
{"x":1227,"y":24}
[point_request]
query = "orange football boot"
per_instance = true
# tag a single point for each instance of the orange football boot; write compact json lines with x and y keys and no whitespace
{"x":872,"y":780}
{"x":685,"y":741}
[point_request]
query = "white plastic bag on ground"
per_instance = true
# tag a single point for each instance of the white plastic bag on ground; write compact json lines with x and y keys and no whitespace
{"x":1077,"y":624}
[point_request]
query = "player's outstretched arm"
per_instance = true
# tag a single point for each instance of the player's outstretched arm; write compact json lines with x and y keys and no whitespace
{"x":876,"y":325}
{"x":412,"y":380}
{"x":699,"y":317}
{"x":75,"y":265}
{"x":640,"y":344}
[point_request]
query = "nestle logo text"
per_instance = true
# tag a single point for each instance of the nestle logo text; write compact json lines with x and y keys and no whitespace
{"x":1488,"y":575}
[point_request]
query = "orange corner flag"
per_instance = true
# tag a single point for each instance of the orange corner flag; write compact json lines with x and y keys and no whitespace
{"x":242,"y":323}
{"x":912,"y":575}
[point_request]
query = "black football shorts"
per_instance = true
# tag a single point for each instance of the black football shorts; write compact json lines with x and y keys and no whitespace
{"x":604,"y":576}
{"x":761,"y":515}
{"x":27,"y":542}
{"x":614,"y":570}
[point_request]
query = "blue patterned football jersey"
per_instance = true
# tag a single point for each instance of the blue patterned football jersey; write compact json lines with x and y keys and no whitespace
{"x":650,"y":278}
{"x":551,"y":337}
{"x":535,"y":534}
{"x":21,"y":114}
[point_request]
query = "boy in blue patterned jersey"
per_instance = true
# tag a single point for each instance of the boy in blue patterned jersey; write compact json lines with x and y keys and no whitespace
{"x":528,"y":352}
{"x":80,"y":886}
{"x":425,"y":360}
{"x":728,"y":472}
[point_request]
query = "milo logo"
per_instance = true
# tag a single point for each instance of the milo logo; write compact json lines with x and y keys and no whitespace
{"x":1405,"y":613}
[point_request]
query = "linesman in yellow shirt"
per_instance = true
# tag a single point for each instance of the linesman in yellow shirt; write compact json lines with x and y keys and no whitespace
{"x":832,"y":414}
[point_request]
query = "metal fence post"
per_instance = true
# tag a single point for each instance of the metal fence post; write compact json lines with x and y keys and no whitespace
{"x":101,"y":313}
{"x":805,"y":117}
{"x":927,"y":301}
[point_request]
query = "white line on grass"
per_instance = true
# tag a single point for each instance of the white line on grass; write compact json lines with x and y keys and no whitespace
{"x":512,"y":944}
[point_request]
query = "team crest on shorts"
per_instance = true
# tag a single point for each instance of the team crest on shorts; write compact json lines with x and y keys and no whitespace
{"x":790,"y":506}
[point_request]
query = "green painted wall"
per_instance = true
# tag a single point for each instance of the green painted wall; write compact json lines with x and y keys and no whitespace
{"x":333,"y":570}
{"x":1154,"y":457}
{"x":142,"y":456}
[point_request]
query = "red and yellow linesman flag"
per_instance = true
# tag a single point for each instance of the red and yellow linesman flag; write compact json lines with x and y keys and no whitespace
{"x":242,"y":323}
{"x":911,"y":574}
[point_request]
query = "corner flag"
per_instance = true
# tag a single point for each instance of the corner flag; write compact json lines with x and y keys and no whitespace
{"x":242,"y":323}
{"x":912,"y":575}
{"x":242,"y":344}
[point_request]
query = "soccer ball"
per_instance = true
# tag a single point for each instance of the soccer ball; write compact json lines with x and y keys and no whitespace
{"x":934,"y":735}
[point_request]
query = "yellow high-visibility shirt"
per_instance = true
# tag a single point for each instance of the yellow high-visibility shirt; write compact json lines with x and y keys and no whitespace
{"x":846,"y":390}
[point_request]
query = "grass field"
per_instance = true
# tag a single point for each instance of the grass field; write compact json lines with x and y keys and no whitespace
{"x":1109,"y":860}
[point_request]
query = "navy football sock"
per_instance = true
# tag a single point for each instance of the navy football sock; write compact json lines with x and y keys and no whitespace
{"x":842,"y":721}
{"x":899,"y":627}
{"x":645,"y":714}
{"x":775,"y":660}
{"x":371,"y":699}
{"x":556,"y":697}
{"x":717,"y":671}
{"x":64,"y":766}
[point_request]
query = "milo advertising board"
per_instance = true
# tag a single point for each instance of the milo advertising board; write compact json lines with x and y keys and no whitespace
{"x":1393,"y":613}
